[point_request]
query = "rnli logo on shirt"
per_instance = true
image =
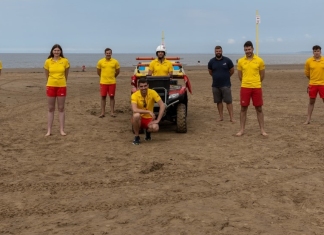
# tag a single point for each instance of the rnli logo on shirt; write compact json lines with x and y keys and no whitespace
{"x":224,"y":63}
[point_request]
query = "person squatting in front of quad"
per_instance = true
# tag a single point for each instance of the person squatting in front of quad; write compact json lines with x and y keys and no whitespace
{"x":162,"y":75}
{"x":143,"y":116}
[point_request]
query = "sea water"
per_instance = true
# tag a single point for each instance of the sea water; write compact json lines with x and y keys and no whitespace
{"x":31,"y":60}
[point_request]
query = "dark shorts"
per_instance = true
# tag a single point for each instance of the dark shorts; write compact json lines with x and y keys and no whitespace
{"x":53,"y":91}
{"x":106,"y":89}
{"x":313,"y":90}
{"x":254,"y":93}
{"x":222,"y":94}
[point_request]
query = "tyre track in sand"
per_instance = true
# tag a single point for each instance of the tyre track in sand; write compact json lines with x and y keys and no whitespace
{"x":172,"y":197}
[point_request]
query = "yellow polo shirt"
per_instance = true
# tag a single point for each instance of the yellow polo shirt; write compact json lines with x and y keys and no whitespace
{"x":160,"y":69}
{"x":56,"y":70}
{"x":108,"y":70}
{"x":315,"y":71}
{"x":0,"y":64}
{"x":151,"y":97}
{"x":251,"y":71}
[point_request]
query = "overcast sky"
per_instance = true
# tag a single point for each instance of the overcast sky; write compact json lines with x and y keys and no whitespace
{"x":135,"y":26}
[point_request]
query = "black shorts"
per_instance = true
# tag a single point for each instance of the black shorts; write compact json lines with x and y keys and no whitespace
{"x":222,"y":94}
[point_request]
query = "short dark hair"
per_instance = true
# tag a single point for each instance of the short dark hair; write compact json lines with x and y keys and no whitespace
{"x":248,"y":44}
{"x":316,"y":47}
{"x":142,"y":80}
{"x":218,"y":47}
{"x":108,"y":49}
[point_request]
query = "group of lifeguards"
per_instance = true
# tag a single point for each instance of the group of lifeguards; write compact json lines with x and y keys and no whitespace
{"x":251,"y":72}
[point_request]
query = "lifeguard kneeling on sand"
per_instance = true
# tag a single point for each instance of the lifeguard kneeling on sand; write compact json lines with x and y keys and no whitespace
{"x":142,"y":102}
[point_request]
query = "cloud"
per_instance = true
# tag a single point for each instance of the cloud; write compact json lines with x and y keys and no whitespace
{"x":273,"y":39}
{"x":230,"y":41}
{"x":307,"y":35}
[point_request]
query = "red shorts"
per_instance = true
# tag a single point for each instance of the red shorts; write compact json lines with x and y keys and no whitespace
{"x":314,"y":89}
{"x":254,"y":93}
{"x":145,"y":122}
{"x":107,"y":89}
{"x":53,"y":91}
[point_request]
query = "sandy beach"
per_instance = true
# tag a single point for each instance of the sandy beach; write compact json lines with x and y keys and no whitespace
{"x":206,"y":181}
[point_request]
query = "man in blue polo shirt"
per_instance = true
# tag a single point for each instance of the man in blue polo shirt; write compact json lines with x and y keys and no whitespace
{"x":221,"y":69}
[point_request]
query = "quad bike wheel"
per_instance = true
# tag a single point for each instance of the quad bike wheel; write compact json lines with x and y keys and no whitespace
{"x":181,"y":118}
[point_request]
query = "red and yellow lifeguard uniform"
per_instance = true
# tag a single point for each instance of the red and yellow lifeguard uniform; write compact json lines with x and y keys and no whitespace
{"x":251,"y":80}
{"x":56,"y":70}
{"x":108,"y":70}
{"x":160,"y":69}
{"x":146,"y":103}
{"x":251,"y":71}
{"x":314,"y":70}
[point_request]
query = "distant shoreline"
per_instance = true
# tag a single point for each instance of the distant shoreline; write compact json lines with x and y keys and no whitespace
{"x":152,"y":54}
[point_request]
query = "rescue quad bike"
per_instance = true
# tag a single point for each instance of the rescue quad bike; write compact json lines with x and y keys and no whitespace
{"x":173,"y":94}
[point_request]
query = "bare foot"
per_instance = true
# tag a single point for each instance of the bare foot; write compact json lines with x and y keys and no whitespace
{"x":307,"y":122}
{"x":219,"y":120}
{"x":232,"y":121}
{"x":240,"y":133}
{"x":48,"y":134}
{"x":113,"y":115}
{"x":264,"y":133}
{"x":63,"y":133}
{"x":101,"y":116}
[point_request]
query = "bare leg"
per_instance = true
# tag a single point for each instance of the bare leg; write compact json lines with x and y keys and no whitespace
{"x":153,"y":127}
{"x":103,"y":106}
{"x":136,"y":122}
{"x":50,"y":114}
{"x":242,"y":120}
{"x":112,"y":106}
{"x":60,"y":104}
{"x":230,"y":112}
{"x":220,"y":111}
{"x":260,"y":119}
{"x":310,"y":110}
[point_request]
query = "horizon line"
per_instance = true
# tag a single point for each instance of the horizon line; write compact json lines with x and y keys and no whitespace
{"x":131,"y":53}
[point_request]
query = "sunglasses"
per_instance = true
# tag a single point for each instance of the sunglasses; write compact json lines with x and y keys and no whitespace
{"x":144,"y":103}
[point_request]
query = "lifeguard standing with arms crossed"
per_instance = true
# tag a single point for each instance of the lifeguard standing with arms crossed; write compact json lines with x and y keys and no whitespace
{"x":108,"y":69}
{"x":0,"y":67}
{"x":314,"y":71}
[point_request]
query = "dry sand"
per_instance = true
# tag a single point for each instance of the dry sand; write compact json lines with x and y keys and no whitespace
{"x":94,"y":181}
